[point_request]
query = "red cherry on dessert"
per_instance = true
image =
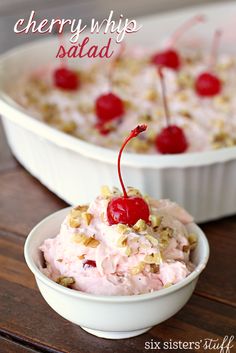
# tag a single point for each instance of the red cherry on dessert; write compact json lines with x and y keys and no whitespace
{"x":108,"y":107}
{"x":171,"y":140}
{"x":66,"y":79}
{"x":127,"y":209}
{"x":207,"y":85}
{"x":168,"y":58}
{"x":89,"y":263}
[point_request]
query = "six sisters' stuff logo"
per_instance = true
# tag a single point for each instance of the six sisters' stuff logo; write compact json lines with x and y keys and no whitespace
{"x":79,"y":49}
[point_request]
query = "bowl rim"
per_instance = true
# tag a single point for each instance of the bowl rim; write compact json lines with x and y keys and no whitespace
{"x":111,"y":299}
{"x":11,"y":110}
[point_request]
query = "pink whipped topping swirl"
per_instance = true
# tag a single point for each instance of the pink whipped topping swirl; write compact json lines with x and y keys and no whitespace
{"x":93,"y":257}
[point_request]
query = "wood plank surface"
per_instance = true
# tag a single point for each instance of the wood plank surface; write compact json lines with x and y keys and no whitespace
{"x":8,"y":346}
{"x":28,"y":324}
{"x":24,"y":201}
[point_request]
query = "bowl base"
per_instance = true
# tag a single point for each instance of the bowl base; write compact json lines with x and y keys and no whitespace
{"x":115,"y":335}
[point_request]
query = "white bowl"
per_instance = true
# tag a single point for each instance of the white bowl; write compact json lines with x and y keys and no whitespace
{"x":203,"y":183}
{"x":113,"y":317}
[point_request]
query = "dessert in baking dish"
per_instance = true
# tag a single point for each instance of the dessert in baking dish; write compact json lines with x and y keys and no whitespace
{"x":121,"y":243}
{"x":99,"y":103}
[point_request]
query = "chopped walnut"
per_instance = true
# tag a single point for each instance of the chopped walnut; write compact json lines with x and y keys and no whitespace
{"x":155,"y":221}
{"x":68,"y":126}
{"x":85,"y":240}
{"x":154,"y":268}
{"x":122,"y":228}
{"x":151,"y":95}
{"x":137,"y":269}
{"x":128,"y":251}
{"x":152,"y":239}
{"x":192,"y":238}
{"x":122,"y":241}
{"x":74,"y":222}
{"x":87,"y":217}
{"x":167,"y":285}
{"x":152,"y":259}
{"x":140,"y":226}
{"x":65,"y":281}
{"x":106,"y":192}
{"x":133,"y":192}
{"x":81,"y":208}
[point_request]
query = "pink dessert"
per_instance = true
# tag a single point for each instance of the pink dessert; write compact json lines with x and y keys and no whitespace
{"x":121,"y":243}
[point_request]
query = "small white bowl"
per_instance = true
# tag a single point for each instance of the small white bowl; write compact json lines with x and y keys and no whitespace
{"x":113,"y":317}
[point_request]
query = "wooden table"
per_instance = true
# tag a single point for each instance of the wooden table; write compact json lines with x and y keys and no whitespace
{"x":28,"y":324}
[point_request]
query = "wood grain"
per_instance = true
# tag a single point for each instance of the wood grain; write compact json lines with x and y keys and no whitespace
{"x":42,"y":325}
{"x":24,"y":202}
{"x":218,"y":281}
{"x":43,"y":328}
{"x":7,"y":161}
{"x":7,"y":346}
{"x":28,"y":324}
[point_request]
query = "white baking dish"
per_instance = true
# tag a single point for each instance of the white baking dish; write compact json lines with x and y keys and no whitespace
{"x":204,"y":183}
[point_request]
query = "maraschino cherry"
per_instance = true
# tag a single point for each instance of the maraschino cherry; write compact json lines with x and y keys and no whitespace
{"x":171,"y":139}
{"x":109,"y":106}
{"x":207,"y":83}
{"x":127,"y":209}
{"x":170,"y":57}
{"x":65,"y":78}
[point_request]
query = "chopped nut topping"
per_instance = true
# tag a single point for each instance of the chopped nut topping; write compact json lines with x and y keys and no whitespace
{"x":152,"y":240}
{"x":152,"y":259}
{"x":50,"y":113}
{"x":68,"y":126}
{"x":122,"y":228}
{"x":167,"y":285}
{"x":151,"y":95}
{"x":185,"y":80}
{"x":186,"y":114}
{"x":137,"y":269}
{"x":133,"y":192}
{"x":140,"y":225}
{"x":128,"y":251}
{"x":140,"y":146}
{"x":192,"y":238}
{"x":81,"y":257}
{"x":155,"y":221}
{"x":74,"y":222}
{"x":222,"y":139}
{"x":154,"y":268}
{"x":122,"y":241}
{"x":186,"y":248}
{"x":166,"y":233}
{"x":105,"y":191}
{"x":65,"y":281}
{"x":81,"y":208}
{"x":87,"y":217}
{"x":86,"y":241}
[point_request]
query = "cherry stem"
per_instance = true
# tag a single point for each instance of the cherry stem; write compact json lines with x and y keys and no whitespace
{"x":163,"y":89}
{"x":61,"y":41}
{"x":184,"y":28}
{"x":135,"y":132}
{"x":214,"y":48}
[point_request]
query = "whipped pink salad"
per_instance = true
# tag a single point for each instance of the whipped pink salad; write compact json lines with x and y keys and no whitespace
{"x":92,"y":256}
{"x":208,"y":123}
